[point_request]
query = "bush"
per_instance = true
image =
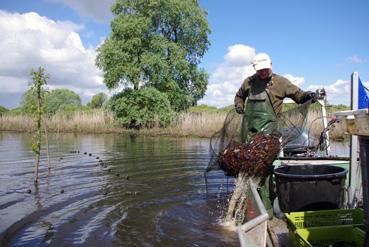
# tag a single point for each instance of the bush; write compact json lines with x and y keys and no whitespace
{"x":2,"y":110}
{"x":145,"y":107}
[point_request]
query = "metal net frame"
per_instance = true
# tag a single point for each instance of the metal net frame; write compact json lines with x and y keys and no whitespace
{"x":228,"y":153}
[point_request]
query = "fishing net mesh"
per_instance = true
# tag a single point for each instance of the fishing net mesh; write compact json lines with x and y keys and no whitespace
{"x":228,"y":153}
{"x":252,"y":159}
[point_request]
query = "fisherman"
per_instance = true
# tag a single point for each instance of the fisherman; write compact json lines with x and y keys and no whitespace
{"x":264,"y":93}
{"x":260,"y":99}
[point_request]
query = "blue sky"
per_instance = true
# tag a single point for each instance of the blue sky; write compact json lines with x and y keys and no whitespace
{"x":313,"y":43}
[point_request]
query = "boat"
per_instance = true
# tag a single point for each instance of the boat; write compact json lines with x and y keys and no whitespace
{"x":262,"y":231}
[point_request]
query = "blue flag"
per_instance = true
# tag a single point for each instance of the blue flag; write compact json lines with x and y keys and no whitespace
{"x":363,"y":97}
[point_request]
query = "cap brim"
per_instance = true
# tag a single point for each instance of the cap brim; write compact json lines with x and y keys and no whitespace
{"x":263,"y":65}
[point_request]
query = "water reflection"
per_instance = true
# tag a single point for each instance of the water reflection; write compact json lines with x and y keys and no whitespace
{"x":125,"y":191}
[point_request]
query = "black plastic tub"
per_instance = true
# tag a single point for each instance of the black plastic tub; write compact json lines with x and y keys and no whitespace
{"x":310,"y":187}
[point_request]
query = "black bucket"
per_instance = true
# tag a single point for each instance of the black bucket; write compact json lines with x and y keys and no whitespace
{"x":310,"y":187}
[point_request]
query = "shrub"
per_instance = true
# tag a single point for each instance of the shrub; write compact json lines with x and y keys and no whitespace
{"x":2,"y":110}
{"x":145,"y":107}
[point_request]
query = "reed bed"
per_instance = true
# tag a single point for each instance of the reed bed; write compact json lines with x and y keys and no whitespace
{"x":200,"y":124}
{"x":97,"y":121}
{"x":16,"y":123}
{"x":314,"y":124}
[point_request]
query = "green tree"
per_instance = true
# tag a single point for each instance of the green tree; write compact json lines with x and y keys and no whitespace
{"x":55,"y":100}
{"x":97,"y":100}
{"x":157,"y":43}
{"x":145,"y":107}
{"x":60,"y":99}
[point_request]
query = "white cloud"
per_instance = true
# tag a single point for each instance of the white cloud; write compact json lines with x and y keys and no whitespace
{"x":298,"y":81}
{"x":228,"y":76}
{"x":28,"y":41}
{"x":337,"y":92}
{"x":240,"y":55}
{"x":97,"y":10}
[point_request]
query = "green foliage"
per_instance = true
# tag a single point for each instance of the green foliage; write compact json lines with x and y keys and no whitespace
{"x":2,"y":110}
{"x":335,"y":108}
{"x":157,"y":43}
{"x":61,"y":98}
{"x":15,"y":112}
{"x":203,"y":108}
{"x":54,"y":100}
{"x":145,"y":107}
{"x":97,"y":100}
{"x":206,"y":108}
{"x":37,"y":95}
{"x":28,"y":103}
{"x":178,"y":98}
{"x":331,"y":109}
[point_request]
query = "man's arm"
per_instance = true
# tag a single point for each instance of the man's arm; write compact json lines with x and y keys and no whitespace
{"x":295,"y":93}
{"x":241,"y":95}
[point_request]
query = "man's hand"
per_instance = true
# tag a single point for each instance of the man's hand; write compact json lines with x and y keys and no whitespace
{"x":311,"y":96}
{"x":239,"y":109}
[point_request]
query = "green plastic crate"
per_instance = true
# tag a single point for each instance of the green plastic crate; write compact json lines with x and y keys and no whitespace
{"x":299,"y":220}
{"x":327,"y":236}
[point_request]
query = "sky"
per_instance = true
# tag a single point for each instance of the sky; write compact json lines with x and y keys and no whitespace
{"x":315,"y":44}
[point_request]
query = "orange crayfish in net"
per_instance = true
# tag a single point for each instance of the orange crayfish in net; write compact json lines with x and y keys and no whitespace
{"x":251,"y":158}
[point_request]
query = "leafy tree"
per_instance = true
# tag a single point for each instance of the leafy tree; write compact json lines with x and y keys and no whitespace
{"x":60,"y":98}
{"x":97,"y":100}
{"x":54,"y":100}
{"x":157,"y":43}
{"x":145,"y":107}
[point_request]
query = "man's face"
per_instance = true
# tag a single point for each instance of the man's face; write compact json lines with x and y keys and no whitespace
{"x":264,"y":73}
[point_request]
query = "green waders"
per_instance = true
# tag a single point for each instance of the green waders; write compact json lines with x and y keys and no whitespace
{"x":260,"y":117}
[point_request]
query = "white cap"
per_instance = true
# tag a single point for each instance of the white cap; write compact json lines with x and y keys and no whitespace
{"x":262,"y":61}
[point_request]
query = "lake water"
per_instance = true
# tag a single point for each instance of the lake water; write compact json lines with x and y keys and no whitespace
{"x":113,"y":190}
{"x":131,"y":191}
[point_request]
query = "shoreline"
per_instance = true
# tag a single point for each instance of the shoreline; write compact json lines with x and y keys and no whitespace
{"x":186,"y":124}
{"x":140,"y":133}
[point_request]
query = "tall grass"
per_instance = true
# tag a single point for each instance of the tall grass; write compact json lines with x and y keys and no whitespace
{"x":16,"y":123}
{"x":314,"y":124}
{"x":94,"y":121}
{"x":201,"y":124}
